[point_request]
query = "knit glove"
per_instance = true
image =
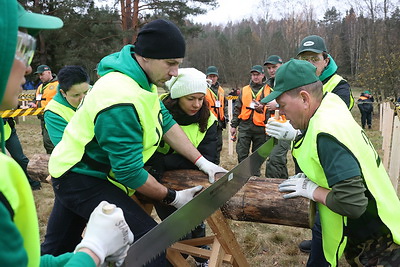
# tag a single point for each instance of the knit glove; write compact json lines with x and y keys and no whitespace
{"x":184,"y":196}
{"x":209,"y":168}
{"x":107,"y":233}
{"x":299,"y":186}
{"x":280,"y":130}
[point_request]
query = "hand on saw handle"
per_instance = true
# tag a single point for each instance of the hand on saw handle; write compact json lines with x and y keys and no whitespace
{"x":299,"y":186}
{"x":184,"y":196}
{"x":209,"y":168}
{"x":280,"y":130}
{"x":107,"y":218}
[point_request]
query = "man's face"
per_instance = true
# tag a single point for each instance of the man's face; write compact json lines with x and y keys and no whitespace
{"x":213,"y":78}
{"x":295,"y":109}
{"x":271,"y":69}
{"x":160,"y":71}
{"x":14,"y":84}
{"x":45,"y":76}
{"x":76,"y":93}
{"x":257,"y":77}
{"x":316,"y":59}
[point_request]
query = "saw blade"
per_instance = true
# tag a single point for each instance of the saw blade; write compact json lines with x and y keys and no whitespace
{"x":183,"y":220}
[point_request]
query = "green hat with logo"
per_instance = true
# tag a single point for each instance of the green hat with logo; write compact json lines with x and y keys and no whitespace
{"x":274,"y":59}
{"x":257,"y":68}
{"x":42,"y":68}
{"x":367,"y":92}
{"x":292,"y":75}
{"x":312,"y":43}
{"x":212,"y":70}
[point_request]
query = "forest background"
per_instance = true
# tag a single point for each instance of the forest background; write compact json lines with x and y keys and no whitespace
{"x":364,"y":40}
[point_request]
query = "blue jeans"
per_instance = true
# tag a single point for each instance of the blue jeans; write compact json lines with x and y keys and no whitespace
{"x":317,"y":258}
{"x":76,"y":195}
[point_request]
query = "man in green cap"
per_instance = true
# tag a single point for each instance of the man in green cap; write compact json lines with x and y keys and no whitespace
{"x":249,"y":116}
{"x":359,"y":208}
{"x":218,"y":104}
{"x":19,"y":230}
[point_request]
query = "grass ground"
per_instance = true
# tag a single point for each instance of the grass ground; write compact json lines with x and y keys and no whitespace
{"x":263,"y":244}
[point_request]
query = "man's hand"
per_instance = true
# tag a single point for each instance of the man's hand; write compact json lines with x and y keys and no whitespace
{"x":184,"y":196}
{"x":107,"y":218}
{"x":272,"y":105}
{"x":32,"y":105}
{"x":299,"y":186}
{"x":209,"y":168}
{"x":233,"y":131}
{"x":280,"y":130}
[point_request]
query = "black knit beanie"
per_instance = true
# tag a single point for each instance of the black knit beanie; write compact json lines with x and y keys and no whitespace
{"x":160,"y":39}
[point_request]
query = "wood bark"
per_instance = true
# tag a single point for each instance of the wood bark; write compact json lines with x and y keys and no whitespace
{"x":257,"y":201}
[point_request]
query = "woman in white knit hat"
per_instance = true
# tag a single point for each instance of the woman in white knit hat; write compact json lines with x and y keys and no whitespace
{"x":188,"y":106}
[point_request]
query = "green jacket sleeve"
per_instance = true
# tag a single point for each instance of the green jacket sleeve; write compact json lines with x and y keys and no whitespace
{"x":67,"y":260}
{"x":124,"y":145}
{"x":55,"y":126}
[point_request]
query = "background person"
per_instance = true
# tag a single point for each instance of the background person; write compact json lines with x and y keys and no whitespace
{"x":249,"y":116}
{"x":19,"y":230}
{"x":343,"y":173}
{"x":113,"y":137}
{"x":218,"y":105}
{"x":276,"y":165}
{"x":44,"y":93}
{"x":365,"y":105}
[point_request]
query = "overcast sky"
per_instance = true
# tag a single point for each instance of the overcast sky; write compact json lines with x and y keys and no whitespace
{"x":236,"y":10}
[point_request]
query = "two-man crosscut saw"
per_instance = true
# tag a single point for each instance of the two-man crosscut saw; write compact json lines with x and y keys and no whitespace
{"x":195,"y":211}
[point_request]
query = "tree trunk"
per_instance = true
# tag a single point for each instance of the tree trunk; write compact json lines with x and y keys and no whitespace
{"x":258,"y":201}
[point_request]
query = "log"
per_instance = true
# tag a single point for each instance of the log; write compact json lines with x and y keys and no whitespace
{"x":258,"y":201}
{"x":38,"y":167}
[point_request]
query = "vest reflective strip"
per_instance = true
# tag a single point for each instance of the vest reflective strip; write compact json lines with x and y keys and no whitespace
{"x":353,"y":138}
{"x":16,"y":189}
{"x":61,"y":110}
{"x":247,"y":98}
{"x":193,"y":133}
{"x":210,"y":96}
{"x":72,"y":147}
{"x":7,"y":131}
{"x":331,"y":85}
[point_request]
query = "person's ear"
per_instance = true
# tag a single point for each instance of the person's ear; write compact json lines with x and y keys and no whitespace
{"x":63,"y":93}
{"x":305,"y":97}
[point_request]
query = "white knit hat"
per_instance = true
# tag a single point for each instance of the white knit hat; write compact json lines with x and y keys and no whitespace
{"x":189,"y":81}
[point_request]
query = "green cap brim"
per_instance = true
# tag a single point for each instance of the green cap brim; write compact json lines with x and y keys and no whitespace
{"x":211,"y":73}
{"x":310,"y":50}
{"x":36,"y":21}
{"x":273,"y":95}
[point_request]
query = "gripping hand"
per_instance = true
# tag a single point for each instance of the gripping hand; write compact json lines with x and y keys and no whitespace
{"x":107,"y":218}
{"x":280,"y":130}
{"x":184,"y":196}
{"x":209,"y":168}
{"x":299,"y":186}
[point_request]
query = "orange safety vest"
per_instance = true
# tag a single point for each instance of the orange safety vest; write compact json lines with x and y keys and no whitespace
{"x":211,"y":98}
{"x":247,"y":97}
{"x":363,"y":98}
{"x":48,"y":92}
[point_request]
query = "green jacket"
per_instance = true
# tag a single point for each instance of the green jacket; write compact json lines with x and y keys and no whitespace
{"x":116,"y":134}
{"x":377,"y":182}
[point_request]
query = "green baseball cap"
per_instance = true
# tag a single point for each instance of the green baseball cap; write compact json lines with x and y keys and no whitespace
{"x":274,"y":59}
{"x":212,"y":70}
{"x":292,"y":75}
{"x":34,"y":21}
{"x":257,"y":68}
{"x":42,"y":68}
{"x":367,"y":92}
{"x":312,"y":43}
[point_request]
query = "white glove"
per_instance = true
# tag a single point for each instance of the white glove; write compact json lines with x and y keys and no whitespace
{"x":281,"y":130}
{"x":107,"y":233}
{"x":299,"y":186}
{"x":209,"y":168}
{"x":184,"y":196}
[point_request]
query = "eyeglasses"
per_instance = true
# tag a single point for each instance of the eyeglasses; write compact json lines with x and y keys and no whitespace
{"x":312,"y":59}
{"x":26,"y":46}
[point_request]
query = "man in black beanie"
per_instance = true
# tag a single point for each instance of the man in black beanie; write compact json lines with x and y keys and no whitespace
{"x":117,"y":128}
